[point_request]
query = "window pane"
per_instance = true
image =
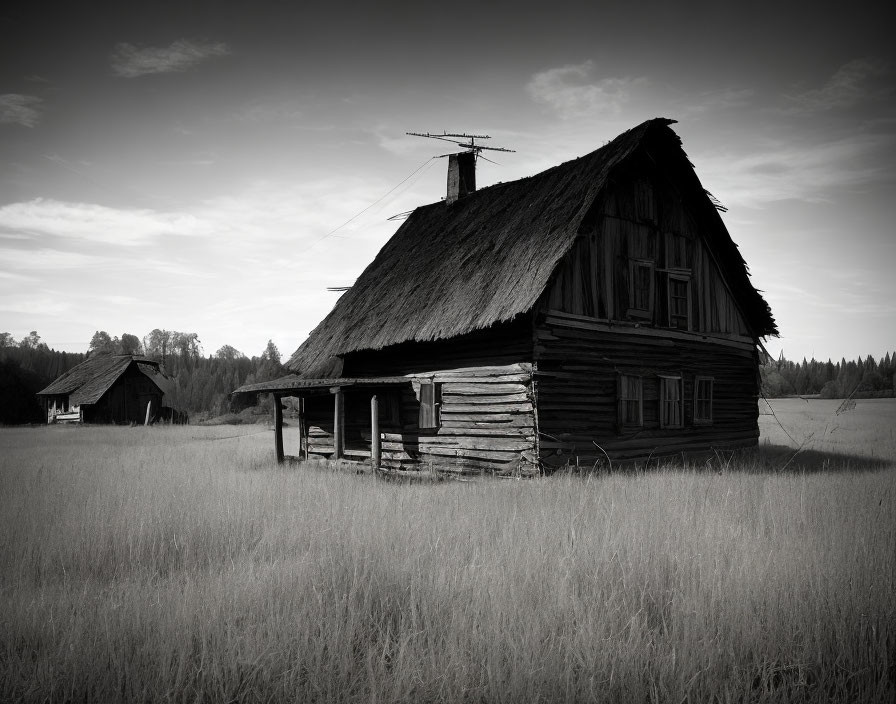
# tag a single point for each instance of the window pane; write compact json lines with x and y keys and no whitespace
{"x":678,"y":303}
{"x":670,"y":403}
{"x":630,"y":400}
{"x":428,"y":414}
{"x":642,"y":280}
{"x":703,"y":400}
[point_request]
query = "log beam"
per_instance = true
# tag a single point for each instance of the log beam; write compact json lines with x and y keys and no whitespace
{"x":278,"y":428}
{"x":338,"y":423}
{"x":375,"y":446}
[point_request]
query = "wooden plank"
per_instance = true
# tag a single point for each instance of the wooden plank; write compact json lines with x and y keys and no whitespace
{"x":495,"y":431}
{"x":449,"y":389}
{"x":520,"y":422}
{"x":451,"y":399}
{"x":474,"y":379}
{"x":564,"y":320}
{"x":452,"y":416}
{"x":278,"y":429}
{"x":472,"y":453}
{"x":483,"y":443}
{"x":375,"y":449}
{"x":472,"y":406}
{"x":338,"y":422}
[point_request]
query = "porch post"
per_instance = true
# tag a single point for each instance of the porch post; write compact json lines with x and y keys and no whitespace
{"x":338,"y":422}
{"x":374,"y":432}
{"x":301,"y":423}
{"x":278,"y":427}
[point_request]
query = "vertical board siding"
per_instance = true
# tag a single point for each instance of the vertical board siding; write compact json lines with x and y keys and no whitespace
{"x":641,"y":219}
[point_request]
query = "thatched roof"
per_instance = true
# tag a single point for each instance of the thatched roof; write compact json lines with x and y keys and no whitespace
{"x":487,"y":258}
{"x":87,"y":382}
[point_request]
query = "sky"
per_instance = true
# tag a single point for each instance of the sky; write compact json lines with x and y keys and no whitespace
{"x":215,"y":167}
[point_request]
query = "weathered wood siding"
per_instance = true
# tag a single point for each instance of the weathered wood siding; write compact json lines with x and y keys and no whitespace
{"x":125,"y":401}
{"x":487,"y":419}
{"x":318,"y":416}
{"x":578,"y":361}
{"x":642,"y":219}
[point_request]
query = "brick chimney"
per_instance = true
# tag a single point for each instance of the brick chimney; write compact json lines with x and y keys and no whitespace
{"x":461,"y":175}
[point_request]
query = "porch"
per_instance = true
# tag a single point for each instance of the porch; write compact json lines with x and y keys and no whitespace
{"x":340,"y":418}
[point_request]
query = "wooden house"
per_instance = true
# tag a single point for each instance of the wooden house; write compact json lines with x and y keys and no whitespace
{"x":106,"y":388}
{"x":598,"y":309}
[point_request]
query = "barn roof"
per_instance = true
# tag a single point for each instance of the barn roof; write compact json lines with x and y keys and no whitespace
{"x":487,"y":258}
{"x":88,"y":381}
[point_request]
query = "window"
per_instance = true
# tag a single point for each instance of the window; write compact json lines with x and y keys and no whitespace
{"x":640,"y":288}
{"x":670,"y":402}
{"x":631,"y":401}
{"x":679,"y":297}
{"x":429,"y":406}
{"x":703,"y":400}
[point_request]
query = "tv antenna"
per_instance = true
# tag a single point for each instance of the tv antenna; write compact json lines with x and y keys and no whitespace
{"x":456,"y":138}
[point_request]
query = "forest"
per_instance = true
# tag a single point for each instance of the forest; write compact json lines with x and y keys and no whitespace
{"x":859,"y":378}
{"x":201,"y":385}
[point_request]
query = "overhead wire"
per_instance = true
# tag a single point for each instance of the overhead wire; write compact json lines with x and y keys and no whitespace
{"x":354,"y":217}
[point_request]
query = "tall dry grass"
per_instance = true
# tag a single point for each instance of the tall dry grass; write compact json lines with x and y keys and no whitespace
{"x":151,"y":565}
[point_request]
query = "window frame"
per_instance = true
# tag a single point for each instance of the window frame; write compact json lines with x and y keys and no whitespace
{"x":434,"y":402}
{"x":700,"y":419}
{"x":683,"y":277}
{"x":665,"y":382}
{"x":633,"y":311}
{"x":621,"y":401}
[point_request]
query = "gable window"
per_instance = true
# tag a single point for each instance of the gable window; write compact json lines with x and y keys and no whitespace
{"x":671,"y":415}
{"x":703,"y":400}
{"x":429,"y":406}
{"x":640,"y":288}
{"x":678,"y":294}
{"x":631,"y":401}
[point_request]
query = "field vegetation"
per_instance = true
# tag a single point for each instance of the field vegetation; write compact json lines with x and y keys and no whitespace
{"x":181,"y":564}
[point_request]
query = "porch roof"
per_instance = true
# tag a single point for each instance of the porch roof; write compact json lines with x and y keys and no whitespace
{"x":293,"y":382}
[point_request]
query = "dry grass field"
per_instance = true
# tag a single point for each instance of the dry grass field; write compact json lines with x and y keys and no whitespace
{"x":181,"y":564}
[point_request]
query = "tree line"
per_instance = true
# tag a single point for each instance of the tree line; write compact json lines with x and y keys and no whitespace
{"x":859,"y":378}
{"x":199,"y":385}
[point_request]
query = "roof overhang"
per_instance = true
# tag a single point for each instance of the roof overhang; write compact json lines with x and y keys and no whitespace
{"x":298,"y":386}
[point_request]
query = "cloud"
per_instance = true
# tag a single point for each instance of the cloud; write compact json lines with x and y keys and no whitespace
{"x":130,"y":61}
{"x":782,"y":170}
{"x":710,"y":101}
{"x":570,"y":91}
{"x":95,"y":223}
{"x":19,"y":109}
{"x":848,"y":86}
{"x":288,"y":110}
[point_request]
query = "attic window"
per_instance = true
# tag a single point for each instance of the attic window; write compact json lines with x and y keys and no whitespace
{"x":671,"y":415}
{"x":630,"y":401}
{"x":640,"y":288}
{"x":679,"y":297}
{"x":429,"y":406}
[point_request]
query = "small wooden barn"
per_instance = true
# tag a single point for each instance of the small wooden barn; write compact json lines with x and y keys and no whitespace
{"x":106,"y":388}
{"x":599,"y":308}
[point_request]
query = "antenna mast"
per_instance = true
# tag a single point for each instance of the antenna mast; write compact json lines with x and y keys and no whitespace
{"x":461,"y":165}
{"x":455,"y":138}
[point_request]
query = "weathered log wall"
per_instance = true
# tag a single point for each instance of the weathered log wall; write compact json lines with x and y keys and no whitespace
{"x":487,"y":420}
{"x":577,"y":363}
